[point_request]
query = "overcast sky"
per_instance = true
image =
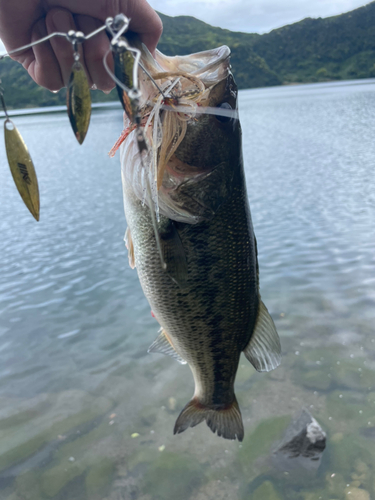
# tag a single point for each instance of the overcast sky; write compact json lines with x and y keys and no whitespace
{"x":254,"y":16}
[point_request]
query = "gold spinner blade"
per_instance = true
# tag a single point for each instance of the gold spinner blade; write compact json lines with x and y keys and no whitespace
{"x":78,"y":101}
{"x":22,"y":168}
{"x":124,"y":70}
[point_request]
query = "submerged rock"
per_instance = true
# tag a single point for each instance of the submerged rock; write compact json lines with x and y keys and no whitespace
{"x":260,"y":442}
{"x":327,"y":368}
{"x":99,"y":475}
{"x":186,"y":472}
{"x":266,"y":491}
{"x":302,"y":446}
{"x":356,"y":494}
{"x":29,"y":426}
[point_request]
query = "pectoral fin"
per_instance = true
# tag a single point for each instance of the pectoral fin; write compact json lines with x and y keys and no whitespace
{"x":173,"y":253}
{"x":163,"y":345}
{"x":169,"y":245}
{"x":204,"y":203}
{"x":129,"y":245}
{"x":264,"y":350}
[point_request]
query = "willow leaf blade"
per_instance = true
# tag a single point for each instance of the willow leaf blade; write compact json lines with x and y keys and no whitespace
{"x":124,"y":70}
{"x":22,"y":168}
{"x":78,"y":101}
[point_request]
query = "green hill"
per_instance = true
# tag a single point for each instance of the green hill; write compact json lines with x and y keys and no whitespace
{"x":312,"y":50}
{"x":340,"y":47}
{"x":185,"y":35}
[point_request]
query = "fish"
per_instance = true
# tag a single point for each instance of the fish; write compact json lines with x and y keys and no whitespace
{"x":190,"y":234}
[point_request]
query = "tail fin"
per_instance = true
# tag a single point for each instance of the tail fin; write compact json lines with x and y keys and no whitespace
{"x":227,"y":421}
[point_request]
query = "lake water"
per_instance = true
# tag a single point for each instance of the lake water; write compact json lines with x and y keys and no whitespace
{"x":87,"y":414}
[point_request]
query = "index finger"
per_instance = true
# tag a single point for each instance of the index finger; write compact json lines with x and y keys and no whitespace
{"x":17,"y":18}
{"x":143,"y":19}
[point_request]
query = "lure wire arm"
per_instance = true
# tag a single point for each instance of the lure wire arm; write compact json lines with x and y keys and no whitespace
{"x":81,"y":38}
{"x":116,"y":26}
{"x":136,"y":93}
{"x":3,"y":101}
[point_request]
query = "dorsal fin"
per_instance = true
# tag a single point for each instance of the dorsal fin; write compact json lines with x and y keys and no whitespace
{"x":264,"y":350}
{"x":163,"y":345}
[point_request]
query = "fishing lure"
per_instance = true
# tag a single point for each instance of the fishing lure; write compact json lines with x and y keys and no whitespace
{"x":79,"y":111}
{"x":78,"y":97}
{"x":125,"y":66}
{"x":20,"y":164}
{"x":127,"y":61}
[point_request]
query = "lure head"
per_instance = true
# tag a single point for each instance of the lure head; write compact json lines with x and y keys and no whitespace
{"x":192,"y":130}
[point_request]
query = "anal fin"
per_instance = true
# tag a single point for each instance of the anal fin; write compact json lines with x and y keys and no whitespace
{"x":264,"y":349}
{"x":163,"y":345}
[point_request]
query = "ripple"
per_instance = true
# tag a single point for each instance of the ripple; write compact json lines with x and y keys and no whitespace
{"x":38,"y":288}
{"x":68,"y":334}
{"x":5,"y":346}
{"x":308,"y":161}
{"x":3,"y":330}
{"x":41,"y":304}
{"x":93,"y":287}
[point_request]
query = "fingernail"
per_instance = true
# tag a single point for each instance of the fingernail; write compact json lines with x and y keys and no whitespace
{"x":62,"y":20}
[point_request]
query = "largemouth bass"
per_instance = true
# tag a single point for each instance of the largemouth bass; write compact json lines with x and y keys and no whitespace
{"x":190,"y":234}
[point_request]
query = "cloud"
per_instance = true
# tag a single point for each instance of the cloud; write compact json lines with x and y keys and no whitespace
{"x":254,"y":16}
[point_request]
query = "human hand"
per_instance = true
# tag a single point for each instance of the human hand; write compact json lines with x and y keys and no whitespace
{"x":50,"y":63}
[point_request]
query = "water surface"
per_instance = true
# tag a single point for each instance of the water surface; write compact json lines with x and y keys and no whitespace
{"x":87,"y":414}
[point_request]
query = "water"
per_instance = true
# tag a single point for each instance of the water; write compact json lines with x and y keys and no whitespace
{"x":87,"y":414}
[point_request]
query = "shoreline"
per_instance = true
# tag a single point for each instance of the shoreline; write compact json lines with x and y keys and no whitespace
{"x":116,"y":104}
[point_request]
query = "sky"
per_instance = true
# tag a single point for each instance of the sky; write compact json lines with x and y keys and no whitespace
{"x":254,"y":16}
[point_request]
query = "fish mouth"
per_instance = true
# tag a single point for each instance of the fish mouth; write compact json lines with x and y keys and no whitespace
{"x":174,"y":83}
{"x":175,"y":91}
{"x":210,"y":66}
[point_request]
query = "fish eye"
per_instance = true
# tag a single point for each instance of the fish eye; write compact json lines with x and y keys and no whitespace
{"x":224,"y":118}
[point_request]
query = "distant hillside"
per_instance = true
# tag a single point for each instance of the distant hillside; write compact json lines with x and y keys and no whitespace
{"x":340,"y":47}
{"x":184,"y":35}
{"x":20,"y":90}
{"x":313,"y":50}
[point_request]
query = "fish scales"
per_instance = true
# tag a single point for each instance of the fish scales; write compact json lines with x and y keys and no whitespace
{"x":191,"y":314}
{"x":214,"y":312}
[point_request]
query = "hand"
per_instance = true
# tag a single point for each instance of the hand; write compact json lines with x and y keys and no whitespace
{"x":50,"y":63}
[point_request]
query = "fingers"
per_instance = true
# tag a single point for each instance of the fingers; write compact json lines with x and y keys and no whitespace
{"x":50,"y":63}
{"x":43,"y":65}
{"x":94,"y":51}
{"x":62,"y":21}
{"x":144,"y":21}
{"x":17,"y":20}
